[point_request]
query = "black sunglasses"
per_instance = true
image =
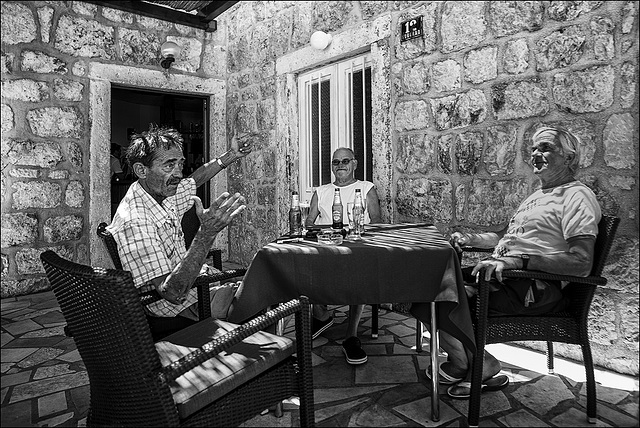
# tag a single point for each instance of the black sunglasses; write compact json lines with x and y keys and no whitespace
{"x":337,"y":162}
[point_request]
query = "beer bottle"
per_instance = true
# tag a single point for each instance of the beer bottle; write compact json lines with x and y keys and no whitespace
{"x":295,"y":215}
{"x":336,"y":210}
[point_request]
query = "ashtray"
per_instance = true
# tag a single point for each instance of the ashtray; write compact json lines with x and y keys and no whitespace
{"x":329,"y":237}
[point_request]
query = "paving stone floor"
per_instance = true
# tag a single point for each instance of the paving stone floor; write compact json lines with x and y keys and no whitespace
{"x":44,"y":382}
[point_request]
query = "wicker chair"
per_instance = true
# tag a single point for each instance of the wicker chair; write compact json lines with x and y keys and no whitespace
{"x":160,"y":328}
{"x":213,"y":373}
{"x":569,"y":326}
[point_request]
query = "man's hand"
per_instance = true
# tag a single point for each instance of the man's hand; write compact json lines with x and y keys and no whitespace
{"x":241,"y":146}
{"x":459,"y":240}
{"x":497,"y":266}
{"x":221,"y":212}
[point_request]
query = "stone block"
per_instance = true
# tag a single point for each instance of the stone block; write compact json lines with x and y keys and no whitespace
{"x":622,"y":182}
{"x":45,"y":16}
{"x":516,"y":57}
{"x":40,"y":62}
{"x":602,"y":319}
{"x":65,"y":122}
{"x":139,"y":47}
{"x":425,"y":199}
{"x":446,"y":75}
{"x":445,"y":142}
{"x":7,"y":63}
{"x":620,"y":141}
{"x":369,"y":9}
{"x":245,"y":118}
{"x":58,"y":174}
{"x":589,"y":90}
{"x":629,"y":13}
{"x":85,"y":9}
{"x":492,"y":203}
{"x":570,"y":10}
{"x":36,"y":194}
{"x":622,"y":268}
{"x":29,"y":153}
{"x":74,"y":152}
{"x":500,"y":152}
{"x":459,"y":110}
{"x":79,"y":68}
{"x":24,"y":173}
{"x":629,"y":321}
{"x":62,"y":228}
{"x":19,"y":18}
{"x":19,"y":229}
{"x":411,"y":115}
{"x":628,"y":83}
{"x":510,"y":17}
{"x":415,"y":154}
{"x":460,"y":201}
{"x":560,"y":48}
{"x":118,"y":16}
{"x":265,"y":114}
{"x":481,"y":65}
{"x":468,"y":152}
{"x":519,"y":100}
{"x":67,"y":90}
{"x":462,"y":25}
{"x":415,"y":78}
{"x":25,"y":90}
{"x":85,"y":38}
{"x":7,"y":118}
{"x":602,"y":36}
{"x":28,"y":259}
{"x":331,"y":16}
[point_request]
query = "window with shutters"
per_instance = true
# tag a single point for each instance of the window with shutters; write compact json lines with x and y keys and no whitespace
{"x":335,"y":111}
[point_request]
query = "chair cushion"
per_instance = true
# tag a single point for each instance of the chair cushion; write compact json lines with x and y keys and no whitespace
{"x":220,"y":375}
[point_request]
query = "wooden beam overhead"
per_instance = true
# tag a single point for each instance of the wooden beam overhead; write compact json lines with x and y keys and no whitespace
{"x":159,"y":12}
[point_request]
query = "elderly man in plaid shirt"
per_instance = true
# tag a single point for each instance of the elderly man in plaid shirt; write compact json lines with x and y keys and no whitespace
{"x":147,"y":227}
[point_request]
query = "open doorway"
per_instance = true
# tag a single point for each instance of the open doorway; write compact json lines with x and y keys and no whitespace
{"x":132,"y":110}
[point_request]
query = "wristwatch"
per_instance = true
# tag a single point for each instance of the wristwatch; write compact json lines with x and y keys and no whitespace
{"x":525,"y":261}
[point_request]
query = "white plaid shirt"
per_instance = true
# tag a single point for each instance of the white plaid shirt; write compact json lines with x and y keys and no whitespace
{"x":150,"y":239}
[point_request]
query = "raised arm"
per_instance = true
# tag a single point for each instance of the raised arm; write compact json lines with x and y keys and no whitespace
{"x":175,"y":286}
{"x":240,"y":147}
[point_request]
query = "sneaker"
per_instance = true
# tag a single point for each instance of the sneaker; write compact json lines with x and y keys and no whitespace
{"x":318,"y":326}
{"x":353,"y":351}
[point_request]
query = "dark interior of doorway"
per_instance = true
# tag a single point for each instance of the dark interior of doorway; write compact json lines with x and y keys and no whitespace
{"x":133,"y":110}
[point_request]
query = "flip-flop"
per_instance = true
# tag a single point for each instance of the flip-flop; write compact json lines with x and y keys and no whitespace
{"x":463,"y":389}
{"x":444,"y":377}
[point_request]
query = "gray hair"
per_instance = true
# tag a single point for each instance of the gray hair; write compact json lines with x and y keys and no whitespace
{"x":567,"y":141}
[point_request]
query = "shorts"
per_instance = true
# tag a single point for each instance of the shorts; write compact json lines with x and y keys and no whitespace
{"x":509,"y":297}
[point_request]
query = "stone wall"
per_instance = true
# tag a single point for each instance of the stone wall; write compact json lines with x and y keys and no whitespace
{"x":453,"y":113}
{"x":59,"y":60}
{"x":463,"y":100}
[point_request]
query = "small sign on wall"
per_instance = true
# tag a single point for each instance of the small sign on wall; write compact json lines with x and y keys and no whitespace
{"x":411,"y":29}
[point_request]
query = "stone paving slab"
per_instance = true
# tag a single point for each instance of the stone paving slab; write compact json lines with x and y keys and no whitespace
{"x":44,"y":381}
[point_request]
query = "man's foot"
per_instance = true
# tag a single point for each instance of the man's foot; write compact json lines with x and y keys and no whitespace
{"x":353,"y":351}
{"x":446,"y":374}
{"x":462,"y":390}
{"x":318,"y":326}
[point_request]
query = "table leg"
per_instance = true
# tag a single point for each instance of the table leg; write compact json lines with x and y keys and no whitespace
{"x":419,"y":333}
{"x":435,"y":346}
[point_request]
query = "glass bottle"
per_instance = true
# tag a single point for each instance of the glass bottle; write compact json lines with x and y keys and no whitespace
{"x":295,"y":215}
{"x":336,"y":210}
{"x":358,"y":216}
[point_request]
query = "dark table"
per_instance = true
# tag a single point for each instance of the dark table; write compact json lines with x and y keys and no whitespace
{"x":400,"y":263}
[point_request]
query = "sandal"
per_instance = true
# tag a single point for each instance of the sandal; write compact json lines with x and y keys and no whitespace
{"x":444,"y":377}
{"x":463,"y":389}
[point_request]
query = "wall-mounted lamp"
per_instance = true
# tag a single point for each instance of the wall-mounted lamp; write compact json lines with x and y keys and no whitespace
{"x":320,"y":40}
{"x":169,"y":51}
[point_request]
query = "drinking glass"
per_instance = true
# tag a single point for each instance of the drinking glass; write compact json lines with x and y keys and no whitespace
{"x":304,"y":213}
{"x":350,"y":217}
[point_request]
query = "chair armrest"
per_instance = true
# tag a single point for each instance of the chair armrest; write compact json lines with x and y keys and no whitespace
{"x":213,"y":348}
{"x":536,"y":274}
{"x":202,"y":281}
{"x":477,"y":250}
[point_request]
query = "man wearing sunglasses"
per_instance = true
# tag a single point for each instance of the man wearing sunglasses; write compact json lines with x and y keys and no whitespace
{"x":343,"y":166}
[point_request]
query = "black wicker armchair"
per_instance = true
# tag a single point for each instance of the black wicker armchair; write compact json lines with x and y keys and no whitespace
{"x":213,"y":373}
{"x":569,"y":326}
{"x":159,"y":326}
